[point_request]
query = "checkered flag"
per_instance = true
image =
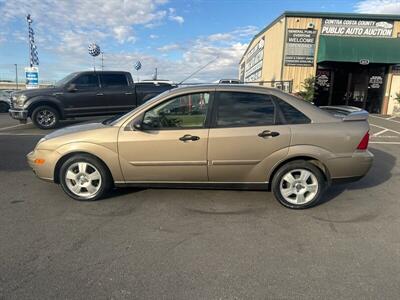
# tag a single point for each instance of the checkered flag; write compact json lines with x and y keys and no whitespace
{"x":33,"y":53}
{"x":138,"y":65}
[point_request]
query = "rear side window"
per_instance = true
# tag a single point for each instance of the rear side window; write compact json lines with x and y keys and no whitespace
{"x":86,"y":81}
{"x":291,"y":114}
{"x":113,"y":80}
{"x":236,"y":109}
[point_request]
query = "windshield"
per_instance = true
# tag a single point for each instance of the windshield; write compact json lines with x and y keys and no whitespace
{"x":117,"y":118}
{"x":65,"y":80}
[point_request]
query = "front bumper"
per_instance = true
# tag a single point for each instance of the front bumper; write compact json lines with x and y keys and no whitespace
{"x":46,"y":169}
{"x":18,"y":114}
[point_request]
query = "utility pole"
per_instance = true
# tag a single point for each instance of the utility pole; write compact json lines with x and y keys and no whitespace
{"x":16,"y":75}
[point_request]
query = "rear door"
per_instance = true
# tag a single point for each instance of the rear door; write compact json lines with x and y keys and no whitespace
{"x":117,"y":94}
{"x":246,"y":139}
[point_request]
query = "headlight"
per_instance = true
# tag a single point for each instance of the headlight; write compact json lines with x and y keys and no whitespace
{"x":20,"y":100}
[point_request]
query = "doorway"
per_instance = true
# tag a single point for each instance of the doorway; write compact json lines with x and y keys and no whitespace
{"x":352,"y":84}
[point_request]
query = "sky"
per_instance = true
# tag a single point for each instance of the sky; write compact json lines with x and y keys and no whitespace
{"x":176,"y":36}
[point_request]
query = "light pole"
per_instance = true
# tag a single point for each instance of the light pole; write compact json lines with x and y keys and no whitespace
{"x":16,"y":75}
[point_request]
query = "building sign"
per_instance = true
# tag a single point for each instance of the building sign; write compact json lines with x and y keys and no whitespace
{"x":300,"y":47}
{"x":254,"y":62}
{"x":358,"y":28}
{"x":32,"y":77}
{"x":375,"y":82}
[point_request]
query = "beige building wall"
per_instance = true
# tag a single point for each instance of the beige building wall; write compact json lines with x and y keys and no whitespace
{"x":273,"y":51}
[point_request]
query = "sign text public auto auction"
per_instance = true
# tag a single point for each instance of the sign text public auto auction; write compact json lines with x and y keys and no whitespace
{"x":361,"y":28}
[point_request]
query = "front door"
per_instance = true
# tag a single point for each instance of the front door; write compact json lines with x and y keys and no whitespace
{"x":245,"y":141}
{"x":171,"y":145}
{"x":84,"y":98}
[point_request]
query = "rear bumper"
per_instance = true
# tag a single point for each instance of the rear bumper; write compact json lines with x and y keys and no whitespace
{"x":18,"y":114}
{"x":351,"y":168}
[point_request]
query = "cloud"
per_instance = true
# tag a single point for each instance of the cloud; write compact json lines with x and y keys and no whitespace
{"x":378,"y":6}
{"x":169,"y":47}
{"x":115,"y":18}
{"x":173,"y":17}
{"x":65,"y":28}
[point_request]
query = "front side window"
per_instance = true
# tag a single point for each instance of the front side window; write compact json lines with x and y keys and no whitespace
{"x":87,"y":81}
{"x":187,"y":111}
{"x":236,"y":109}
{"x":110,"y":80}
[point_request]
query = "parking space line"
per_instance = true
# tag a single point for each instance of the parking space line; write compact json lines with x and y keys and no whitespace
{"x":14,"y":126}
{"x":20,"y":134}
{"x":381,"y":127}
{"x":387,"y":119}
{"x":380,"y":132}
{"x":389,"y":143}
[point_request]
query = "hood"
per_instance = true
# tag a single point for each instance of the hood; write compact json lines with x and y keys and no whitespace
{"x":36,"y":92}
{"x":75,"y":129}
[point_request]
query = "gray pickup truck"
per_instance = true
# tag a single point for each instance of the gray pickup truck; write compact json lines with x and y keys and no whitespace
{"x":92,"y":93}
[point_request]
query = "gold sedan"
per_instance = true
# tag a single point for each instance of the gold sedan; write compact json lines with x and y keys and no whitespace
{"x":211,"y":136}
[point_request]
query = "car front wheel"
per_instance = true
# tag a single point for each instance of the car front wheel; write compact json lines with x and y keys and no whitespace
{"x":85,"y":178}
{"x":45,"y":117}
{"x":298,"y":184}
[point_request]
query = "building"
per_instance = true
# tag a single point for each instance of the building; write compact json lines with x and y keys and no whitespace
{"x":355,"y":58}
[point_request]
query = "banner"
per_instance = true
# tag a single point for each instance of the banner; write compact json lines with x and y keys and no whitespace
{"x":32,"y":77}
{"x":300,"y":47}
{"x":358,"y":28}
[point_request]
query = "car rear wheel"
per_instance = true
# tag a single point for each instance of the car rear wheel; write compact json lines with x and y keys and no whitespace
{"x":45,"y":117}
{"x":4,"y":107}
{"x":298,"y":184}
{"x":84,"y":178}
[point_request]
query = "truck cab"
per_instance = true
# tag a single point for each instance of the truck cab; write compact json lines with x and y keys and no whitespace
{"x":90,"y":93}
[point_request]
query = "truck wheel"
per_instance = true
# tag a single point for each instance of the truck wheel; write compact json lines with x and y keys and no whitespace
{"x":298,"y":184}
{"x":45,"y":117}
{"x":85,"y":178}
{"x":4,"y":107}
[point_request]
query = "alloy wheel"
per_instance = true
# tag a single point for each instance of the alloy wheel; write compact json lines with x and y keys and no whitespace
{"x":299,"y":186}
{"x":83,"y":179}
{"x":46,"y":118}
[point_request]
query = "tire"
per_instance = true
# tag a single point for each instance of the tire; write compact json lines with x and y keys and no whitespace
{"x":4,"y":107}
{"x":45,"y":117}
{"x":85,"y":178}
{"x":298,"y":184}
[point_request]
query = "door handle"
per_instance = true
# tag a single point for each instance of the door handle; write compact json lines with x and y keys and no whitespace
{"x":188,"y":137}
{"x":267,"y":133}
{"x":99,"y":94}
{"x":128,"y":93}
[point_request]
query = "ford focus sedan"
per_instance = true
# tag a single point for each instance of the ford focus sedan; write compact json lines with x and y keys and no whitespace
{"x":211,"y":136}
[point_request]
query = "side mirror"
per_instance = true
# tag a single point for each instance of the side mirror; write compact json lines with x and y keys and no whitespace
{"x":138,"y":126}
{"x":72,"y":88}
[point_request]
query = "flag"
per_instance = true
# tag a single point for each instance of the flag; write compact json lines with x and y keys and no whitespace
{"x":33,"y":53}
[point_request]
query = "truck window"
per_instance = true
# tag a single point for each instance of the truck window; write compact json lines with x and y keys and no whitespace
{"x":109,"y":80}
{"x":87,"y":81}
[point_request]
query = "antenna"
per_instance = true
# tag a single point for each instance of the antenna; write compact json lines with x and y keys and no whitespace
{"x":198,"y":70}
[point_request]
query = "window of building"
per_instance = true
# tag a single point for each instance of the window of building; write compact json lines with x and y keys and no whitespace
{"x":244,"y":109}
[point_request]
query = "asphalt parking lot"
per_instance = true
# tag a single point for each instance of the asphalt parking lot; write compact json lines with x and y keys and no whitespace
{"x":198,"y":244}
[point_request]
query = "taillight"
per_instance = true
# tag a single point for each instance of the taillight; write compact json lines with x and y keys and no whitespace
{"x":363,"y":145}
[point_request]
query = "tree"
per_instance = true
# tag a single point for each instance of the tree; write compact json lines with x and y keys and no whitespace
{"x":397,"y":97}
{"x":308,"y":91}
